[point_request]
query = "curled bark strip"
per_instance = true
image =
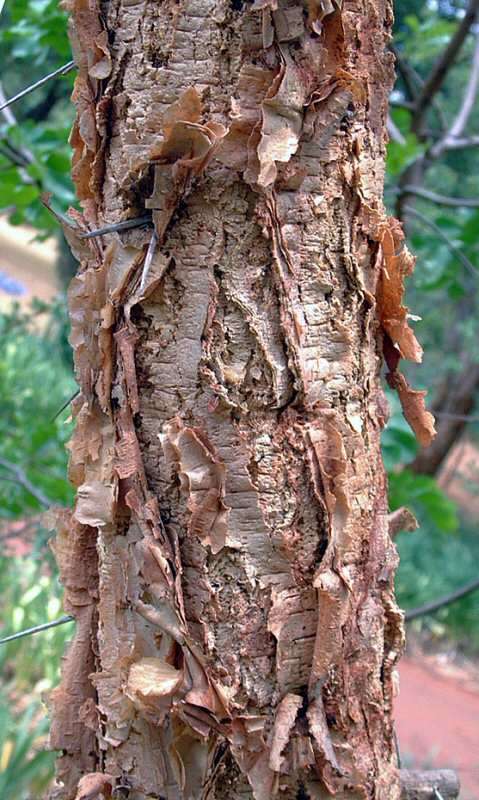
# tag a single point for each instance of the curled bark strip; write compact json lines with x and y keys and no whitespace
{"x":414,"y":409}
{"x":399,"y":339}
{"x":319,"y":10}
{"x":202,"y":478}
{"x":398,"y":263}
{"x":286,"y":714}
{"x":401,"y":520}
{"x":95,"y":785}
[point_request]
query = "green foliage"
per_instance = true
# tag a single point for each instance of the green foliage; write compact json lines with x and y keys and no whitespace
{"x":35,"y":380}
{"x":25,"y":767}
{"x":443,"y":553}
{"x":29,"y":668}
{"x":34,"y":384}
{"x":432,"y":564}
{"x":34,"y":31}
{"x":34,"y":150}
{"x":422,"y":495}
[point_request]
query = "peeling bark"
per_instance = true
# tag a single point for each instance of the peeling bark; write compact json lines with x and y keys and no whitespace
{"x":228,"y":558}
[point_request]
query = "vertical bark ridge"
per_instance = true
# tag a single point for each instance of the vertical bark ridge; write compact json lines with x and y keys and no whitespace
{"x":243,"y":630}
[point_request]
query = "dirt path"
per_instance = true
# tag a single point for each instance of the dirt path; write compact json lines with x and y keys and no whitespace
{"x":437,"y":720}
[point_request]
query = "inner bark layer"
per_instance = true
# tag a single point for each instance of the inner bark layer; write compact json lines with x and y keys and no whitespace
{"x":227,"y":558}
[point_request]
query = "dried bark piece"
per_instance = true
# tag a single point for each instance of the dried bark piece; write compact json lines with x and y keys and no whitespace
{"x":151,"y":686}
{"x":282,"y":120}
{"x":75,"y":552}
{"x":202,"y":477}
{"x":237,"y":150}
{"x":401,"y":520}
{"x":186,"y":150}
{"x":319,"y":728}
{"x":398,"y":263}
{"x":414,"y":408}
{"x":94,"y":785}
{"x":318,"y":10}
{"x":284,"y":720}
{"x":95,"y":502}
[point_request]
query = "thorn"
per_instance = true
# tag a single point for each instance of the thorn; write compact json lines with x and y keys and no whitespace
{"x":65,"y":404}
{"x":136,"y":222}
{"x":37,"y":629}
{"x":148,"y":259}
{"x":60,"y":71}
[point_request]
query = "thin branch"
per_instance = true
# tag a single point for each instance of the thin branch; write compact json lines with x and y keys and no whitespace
{"x":60,"y":71}
{"x":469,"y":99}
{"x":467,"y":105}
{"x":414,"y":82}
{"x":395,"y":103}
{"x":447,"y":241}
{"x":435,"y":605}
{"x":459,"y":417}
{"x":411,"y":79}
{"x":441,"y":199}
{"x":37,"y":629}
{"x":462,"y":142}
{"x":438,"y":73}
{"x":137,"y":222}
{"x":20,"y":153}
{"x":21,"y":478}
{"x":394,"y":133}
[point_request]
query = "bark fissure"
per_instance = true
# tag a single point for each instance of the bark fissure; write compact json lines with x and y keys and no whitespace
{"x":241,"y":632}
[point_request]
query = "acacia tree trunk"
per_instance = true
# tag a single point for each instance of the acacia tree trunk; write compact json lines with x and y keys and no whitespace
{"x":227,"y":559}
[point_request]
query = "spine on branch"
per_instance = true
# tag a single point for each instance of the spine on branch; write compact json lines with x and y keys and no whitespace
{"x":227,"y":559}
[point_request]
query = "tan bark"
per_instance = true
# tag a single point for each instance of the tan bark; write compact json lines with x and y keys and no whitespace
{"x":237,"y":629}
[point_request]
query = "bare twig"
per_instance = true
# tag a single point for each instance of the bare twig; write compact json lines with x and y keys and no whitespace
{"x":459,"y":124}
{"x":37,"y":629}
{"x":460,"y":417}
{"x":447,"y":241}
{"x":60,"y":71}
{"x":438,"y":73}
{"x":441,"y":199}
{"x":462,"y":142}
{"x":414,"y":83}
{"x":394,"y":132}
{"x":411,"y":79}
{"x":457,"y":128}
{"x":136,"y":222}
{"x":20,"y":477}
{"x":435,"y":605}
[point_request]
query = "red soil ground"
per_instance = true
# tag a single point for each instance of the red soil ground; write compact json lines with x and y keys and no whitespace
{"x":437,"y":720}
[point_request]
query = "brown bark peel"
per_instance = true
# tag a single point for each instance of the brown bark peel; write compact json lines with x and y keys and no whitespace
{"x":228,"y":558}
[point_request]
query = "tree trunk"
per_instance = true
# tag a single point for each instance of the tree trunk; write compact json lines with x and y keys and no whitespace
{"x":227,"y":559}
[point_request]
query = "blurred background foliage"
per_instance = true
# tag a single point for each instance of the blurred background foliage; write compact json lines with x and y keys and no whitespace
{"x":36,"y":371}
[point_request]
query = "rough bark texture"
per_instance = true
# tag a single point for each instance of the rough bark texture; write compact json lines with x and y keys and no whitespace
{"x":228,"y":558}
